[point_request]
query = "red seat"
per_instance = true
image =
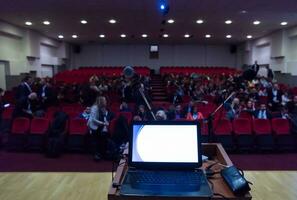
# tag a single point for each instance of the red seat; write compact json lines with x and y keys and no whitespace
{"x":242,"y":126}
{"x":78,"y":127}
{"x":280,"y":126}
{"x":262,"y":130}
{"x":39,"y":126}
{"x":261,"y":126}
{"x":7,"y":113}
{"x":222,"y":127}
{"x":20,"y":125}
{"x":245,"y":114}
{"x":19,"y":130}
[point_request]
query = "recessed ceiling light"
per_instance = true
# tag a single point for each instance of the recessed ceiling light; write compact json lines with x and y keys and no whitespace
{"x":284,"y":23}
{"x":102,"y":36}
{"x":46,"y":22}
{"x":187,"y":35}
{"x":228,"y":22}
{"x":144,"y":35}
{"x":112,"y":21}
{"x":123,"y":35}
{"x":74,"y":36}
{"x":228,"y":36}
{"x":243,"y":12}
{"x":165,"y":35}
{"x":170,"y":21}
{"x":60,"y":36}
{"x":208,"y":36}
{"x":249,"y":36}
{"x":83,"y":21}
{"x":200,"y":21}
{"x":28,"y":23}
{"x":256,"y":22}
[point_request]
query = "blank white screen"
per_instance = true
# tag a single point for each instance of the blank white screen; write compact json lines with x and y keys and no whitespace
{"x":166,"y":143}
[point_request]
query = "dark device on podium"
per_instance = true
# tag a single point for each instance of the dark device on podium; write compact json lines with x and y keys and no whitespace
{"x":235,"y":180}
{"x":164,"y":160}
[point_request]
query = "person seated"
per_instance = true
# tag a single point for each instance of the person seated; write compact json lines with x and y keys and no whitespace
{"x":194,"y":115}
{"x":262,"y":113}
{"x":161,"y":115}
{"x":142,"y":113}
{"x":124,"y":107}
{"x":85,"y":114}
{"x":274,"y":97}
{"x":249,"y":107}
{"x":233,"y":109}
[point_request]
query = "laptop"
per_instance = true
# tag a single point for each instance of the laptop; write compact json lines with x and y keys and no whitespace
{"x":164,"y":160}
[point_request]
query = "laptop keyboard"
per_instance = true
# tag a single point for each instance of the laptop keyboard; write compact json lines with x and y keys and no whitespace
{"x":166,"y":177}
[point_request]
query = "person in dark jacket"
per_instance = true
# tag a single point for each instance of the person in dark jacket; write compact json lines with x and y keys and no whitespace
{"x":262,"y":113}
{"x":26,"y":106}
{"x":24,"y":89}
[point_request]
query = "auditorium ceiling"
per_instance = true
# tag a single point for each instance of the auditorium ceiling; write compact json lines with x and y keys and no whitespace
{"x":137,"y":17}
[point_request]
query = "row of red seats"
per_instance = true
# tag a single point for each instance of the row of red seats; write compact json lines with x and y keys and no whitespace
{"x":198,"y":70}
{"x":82,"y":75}
{"x":246,"y":133}
{"x":33,"y":133}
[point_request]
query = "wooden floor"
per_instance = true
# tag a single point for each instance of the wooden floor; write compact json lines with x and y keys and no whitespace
{"x":276,"y":185}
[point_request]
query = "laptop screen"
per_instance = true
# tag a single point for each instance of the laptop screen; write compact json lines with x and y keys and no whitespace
{"x":166,"y":143}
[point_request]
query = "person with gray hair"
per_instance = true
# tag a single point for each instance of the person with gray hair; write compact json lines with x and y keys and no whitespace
{"x":161,"y":115}
{"x":25,"y":107}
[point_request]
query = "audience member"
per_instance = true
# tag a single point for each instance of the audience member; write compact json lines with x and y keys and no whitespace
{"x":262,"y":113}
{"x":26,"y":106}
{"x":24,"y":89}
{"x":194,"y":115}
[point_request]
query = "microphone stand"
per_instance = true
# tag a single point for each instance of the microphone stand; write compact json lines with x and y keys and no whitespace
{"x":147,"y":103}
{"x":211,"y":116}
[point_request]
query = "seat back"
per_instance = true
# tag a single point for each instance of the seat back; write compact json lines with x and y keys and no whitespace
{"x":222,"y":127}
{"x":20,"y":125}
{"x":261,"y":126}
{"x":78,"y":127}
{"x":280,"y":126}
{"x":39,"y":126}
{"x":242,"y":126}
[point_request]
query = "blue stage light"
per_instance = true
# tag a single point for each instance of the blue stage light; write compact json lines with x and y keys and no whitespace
{"x":162,"y":7}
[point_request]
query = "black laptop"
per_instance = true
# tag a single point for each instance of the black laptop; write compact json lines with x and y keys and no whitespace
{"x":164,"y":160}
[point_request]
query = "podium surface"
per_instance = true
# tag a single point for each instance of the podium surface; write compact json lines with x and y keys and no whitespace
{"x":214,"y":151}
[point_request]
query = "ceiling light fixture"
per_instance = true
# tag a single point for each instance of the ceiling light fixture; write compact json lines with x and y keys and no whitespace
{"x":46,"y":23}
{"x":60,"y":36}
{"x":102,"y":36}
{"x":28,"y":23}
{"x":170,"y":21}
{"x":208,"y":36}
{"x":74,"y":36}
{"x":249,"y":36}
{"x":200,"y":21}
{"x":112,"y":21}
{"x":144,"y":35}
{"x":256,"y":22}
{"x":228,"y":36}
{"x":123,"y":35}
{"x":83,"y":21}
{"x":187,"y":35}
{"x":228,"y":22}
{"x":165,"y":35}
{"x":284,"y":23}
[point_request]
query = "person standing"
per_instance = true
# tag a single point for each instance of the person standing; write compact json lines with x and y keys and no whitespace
{"x":98,"y":124}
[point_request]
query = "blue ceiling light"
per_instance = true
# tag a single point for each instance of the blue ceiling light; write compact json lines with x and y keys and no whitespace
{"x":163,"y":6}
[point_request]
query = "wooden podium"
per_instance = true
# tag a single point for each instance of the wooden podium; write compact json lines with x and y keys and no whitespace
{"x":215,"y":153}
